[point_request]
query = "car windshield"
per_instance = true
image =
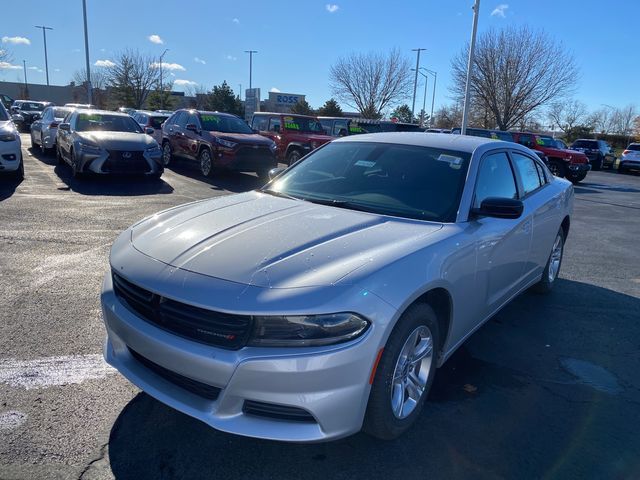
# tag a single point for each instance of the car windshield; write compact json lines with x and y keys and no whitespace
{"x":107,"y":123}
{"x":4,"y":116}
{"x":546,"y":141}
{"x":303,"y":124}
{"x":32,"y":107}
{"x":223,"y":123}
{"x":388,"y":179}
{"x":60,"y":113}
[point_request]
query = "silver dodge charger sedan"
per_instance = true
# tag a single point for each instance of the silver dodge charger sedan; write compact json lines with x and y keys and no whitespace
{"x":323,"y":303}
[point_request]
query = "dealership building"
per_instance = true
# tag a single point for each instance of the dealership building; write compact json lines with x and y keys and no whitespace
{"x":278,"y":102}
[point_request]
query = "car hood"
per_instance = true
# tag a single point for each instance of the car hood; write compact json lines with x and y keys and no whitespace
{"x":118,"y":140}
{"x":266,"y":241}
{"x":244,"y":138}
{"x":7,"y":126}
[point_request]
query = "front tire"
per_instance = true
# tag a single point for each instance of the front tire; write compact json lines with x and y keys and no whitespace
{"x":293,"y":157}
{"x":404,"y":375}
{"x":557,"y":168}
{"x":206,"y":162}
{"x":552,"y":269}
{"x":19,"y":173}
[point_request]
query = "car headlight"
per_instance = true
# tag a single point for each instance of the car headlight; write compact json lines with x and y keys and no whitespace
{"x":8,"y":137}
{"x":153,"y":150}
{"x":89,"y":148}
{"x":226,"y":143}
{"x":273,"y":147}
{"x":306,"y":330}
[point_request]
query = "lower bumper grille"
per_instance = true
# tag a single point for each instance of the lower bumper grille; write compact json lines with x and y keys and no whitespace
{"x":252,"y":159}
{"x":277,"y":412}
{"x":126,"y":162}
{"x":194,"y":386}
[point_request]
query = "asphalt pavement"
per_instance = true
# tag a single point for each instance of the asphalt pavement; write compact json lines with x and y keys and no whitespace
{"x":549,"y":388}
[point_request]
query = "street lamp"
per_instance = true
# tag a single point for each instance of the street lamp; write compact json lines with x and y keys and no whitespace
{"x":250,"y":52}
{"x":433,"y":97}
{"x":467,"y":88}
{"x":424,"y":97}
{"x":46,"y":61}
{"x":86,"y":52}
{"x":415,"y":82}
{"x":161,"y":90}
{"x":26,"y":85}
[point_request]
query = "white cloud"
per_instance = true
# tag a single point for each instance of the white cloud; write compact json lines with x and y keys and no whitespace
{"x":169,"y":66}
{"x":76,"y":50}
{"x":16,"y":40}
{"x":37,"y":69}
{"x":8,"y":66}
{"x":199,"y":60}
{"x":500,"y":10}
{"x":236,"y":21}
{"x":104,"y":63}
{"x":231,"y":57}
{"x":332,"y":7}
{"x":155,"y":39}
{"x":56,"y":70}
{"x":274,"y":90}
{"x":184,"y":83}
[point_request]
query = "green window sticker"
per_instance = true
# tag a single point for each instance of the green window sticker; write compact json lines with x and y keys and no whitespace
{"x":210,"y":118}
{"x":291,"y":126}
{"x":539,"y":141}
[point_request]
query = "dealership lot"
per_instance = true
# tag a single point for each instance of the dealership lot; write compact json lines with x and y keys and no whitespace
{"x":546,"y":388}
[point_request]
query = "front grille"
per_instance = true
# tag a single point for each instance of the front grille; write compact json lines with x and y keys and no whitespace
{"x":117,"y":162}
{"x":194,"y":323}
{"x":194,"y":386}
{"x":278,"y":412}
{"x":249,"y":158}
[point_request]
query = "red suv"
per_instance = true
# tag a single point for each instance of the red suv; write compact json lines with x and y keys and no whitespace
{"x":295,"y":135}
{"x":216,"y":141}
{"x":571,"y":164}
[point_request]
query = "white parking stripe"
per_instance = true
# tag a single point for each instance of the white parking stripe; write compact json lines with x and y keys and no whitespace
{"x":12,"y":419}
{"x":53,"y":371}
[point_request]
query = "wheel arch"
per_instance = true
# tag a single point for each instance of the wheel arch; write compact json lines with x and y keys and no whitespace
{"x":566,"y":223}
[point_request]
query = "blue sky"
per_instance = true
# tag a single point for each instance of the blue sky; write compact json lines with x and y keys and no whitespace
{"x":297,"y":42}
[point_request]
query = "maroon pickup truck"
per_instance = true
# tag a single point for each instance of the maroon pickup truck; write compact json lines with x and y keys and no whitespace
{"x":571,"y":164}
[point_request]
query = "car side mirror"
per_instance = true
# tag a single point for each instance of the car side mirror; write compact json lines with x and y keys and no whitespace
{"x":499,"y":207}
{"x":149,"y":130}
{"x":274,"y":172}
{"x":192,"y":127}
{"x":65,"y":126}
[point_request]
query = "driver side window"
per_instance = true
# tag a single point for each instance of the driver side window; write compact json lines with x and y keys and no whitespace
{"x":495,"y":179}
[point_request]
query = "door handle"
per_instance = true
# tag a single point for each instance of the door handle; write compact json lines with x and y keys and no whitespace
{"x":526,"y":226}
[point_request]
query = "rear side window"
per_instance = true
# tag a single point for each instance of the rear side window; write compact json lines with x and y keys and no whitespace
{"x":585,"y":144}
{"x":495,"y":179}
{"x":527,"y":171}
{"x":273,"y":123}
{"x":634,"y":146}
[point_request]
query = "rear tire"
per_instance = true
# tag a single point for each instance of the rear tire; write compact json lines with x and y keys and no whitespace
{"x":293,"y":157}
{"x":552,"y":269}
{"x":597,"y":163}
{"x":167,"y":154}
{"x":557,"y":168}
{"x":403,"y":379}
{"x":43,"y":149}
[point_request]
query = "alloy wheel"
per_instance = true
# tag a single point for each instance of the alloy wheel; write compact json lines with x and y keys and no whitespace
{"x":205,"y":163}
{"x":166,"y":154}
{"x":411,"y":372}
{"x":556,"y":258}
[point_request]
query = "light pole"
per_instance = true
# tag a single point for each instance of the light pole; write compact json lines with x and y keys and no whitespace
{"x":250,"y":52}
{"x":467,"y":88}
{"x":161,"y":90}
{"x":240,"y":85}
{"x":433,"y":96}
{"x":424,"y":97}
{"x":415,"y":82}
{"x":46,"y":61}
{"x":86,"y":52}
{"x":26,"y":85}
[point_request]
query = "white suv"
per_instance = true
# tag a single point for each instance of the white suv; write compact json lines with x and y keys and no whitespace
{"x":630,"y":158}
{"x":10,"y":147}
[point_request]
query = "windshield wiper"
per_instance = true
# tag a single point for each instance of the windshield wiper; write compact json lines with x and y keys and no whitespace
{"x":342,"y":204}
{"x":276,"y":193}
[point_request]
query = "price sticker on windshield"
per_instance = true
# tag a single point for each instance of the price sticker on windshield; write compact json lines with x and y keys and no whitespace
{"x":453,"y":161}
{"x":291,"y":126}
{"x":210,"y":118}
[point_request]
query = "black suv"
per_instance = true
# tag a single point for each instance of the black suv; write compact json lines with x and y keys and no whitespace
{"x":28,"y":112}
{"x":598,"y":152}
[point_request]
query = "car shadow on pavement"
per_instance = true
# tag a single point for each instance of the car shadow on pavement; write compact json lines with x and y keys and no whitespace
{"x":46,"y":158}
{"x":111,"y":185}
{"x":229,"y":181}
{"x":503,"y":406}
{"x":8,"y":186}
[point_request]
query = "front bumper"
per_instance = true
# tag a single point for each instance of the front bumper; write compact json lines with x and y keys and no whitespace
{"x":10,"y":156}
{"x":246,"y":159}
{"x":578,"y":168}
{"x":329,"y":383}
{"x":107,"y":163}
{"x":629,"y":164}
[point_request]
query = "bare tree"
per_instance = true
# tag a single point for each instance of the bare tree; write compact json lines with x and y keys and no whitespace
{"x":371,"y":82}
{"x":448,"y":116}
{"x":567,"y":114}
{"x":623,"y":119}
{"x":600,"y":120}
{"x":132,"y":77}
{"x":515,"y":72}
{"x":5,"y":56}
{"x":99,"y":81}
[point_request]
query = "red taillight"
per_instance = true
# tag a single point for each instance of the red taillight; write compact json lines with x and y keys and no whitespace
{"x":53,"y":125}
{"x":626,"y":152}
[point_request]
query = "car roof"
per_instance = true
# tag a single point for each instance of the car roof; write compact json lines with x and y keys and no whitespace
{"x":150,"y":112}
{"x":445,"y":141}
{"x":208,"y":112}
{"x":92,"y":111}
{"x":285,"y":114}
